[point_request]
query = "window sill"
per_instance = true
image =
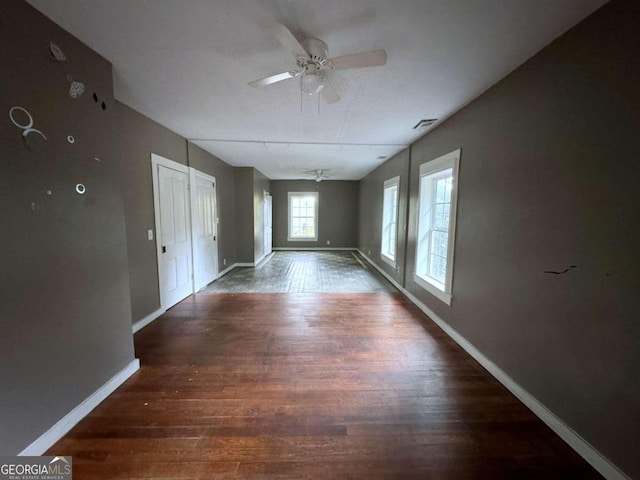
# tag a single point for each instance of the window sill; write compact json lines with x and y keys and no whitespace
{"x":306,"y":239}
{"x":433,"y":290}
{"x":388,"y":260}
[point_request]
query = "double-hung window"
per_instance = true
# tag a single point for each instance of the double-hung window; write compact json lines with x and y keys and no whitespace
{"x":303,"y":216}
{"x":390,"y":221}
{"x":436,"y":225}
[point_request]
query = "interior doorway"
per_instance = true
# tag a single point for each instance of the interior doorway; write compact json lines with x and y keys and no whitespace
{"x":204,"y":218}
{"x":173,"y":230}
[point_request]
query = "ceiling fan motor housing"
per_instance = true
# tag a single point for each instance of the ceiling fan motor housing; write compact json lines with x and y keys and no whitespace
{"x":317,"y":50}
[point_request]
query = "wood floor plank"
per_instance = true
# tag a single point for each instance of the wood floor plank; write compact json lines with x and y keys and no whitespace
{"x":262,"y":386}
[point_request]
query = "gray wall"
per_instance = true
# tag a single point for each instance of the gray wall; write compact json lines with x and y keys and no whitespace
{"x":250,"y":186}
{"x":68,"y":274}
{"x":337,"y":212}
{"x":243,"y":185}
{"x":549,"y":178}
{"x":136,"y":138}
{"x":225,"y":198}
{"x":370,"y":225}
{"x":65,"y":310}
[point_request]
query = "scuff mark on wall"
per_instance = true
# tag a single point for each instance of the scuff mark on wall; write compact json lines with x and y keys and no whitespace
{"x":570,"y":267}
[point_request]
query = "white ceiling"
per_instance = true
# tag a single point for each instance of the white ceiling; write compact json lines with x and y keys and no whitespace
{"x":186,"y":64}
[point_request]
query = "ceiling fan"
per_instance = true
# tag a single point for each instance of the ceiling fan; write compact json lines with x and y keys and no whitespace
{"x":314,"y":64}
{"x":319,"y":174}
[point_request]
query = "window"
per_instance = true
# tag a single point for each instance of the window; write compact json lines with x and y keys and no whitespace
{"x":390,"y":221}
{"x":303,"y":216}
{"x":436,"y":225}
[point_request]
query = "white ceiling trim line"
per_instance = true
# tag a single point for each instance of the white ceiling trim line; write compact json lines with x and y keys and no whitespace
{"x":324,"y":144}
{"x":294,"y":160}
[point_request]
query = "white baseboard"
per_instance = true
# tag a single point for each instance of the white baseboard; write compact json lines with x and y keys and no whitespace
{"x":382,"y":272}
{"x":232,"y":266}
{"x":140,"y":324}
{"x":598,"y":461}
{"x":55,"y":433}
{"x":264,"y":260}
{"x":359,"y":261}
{"x":226,"y":270}
{"x":314,"y":248}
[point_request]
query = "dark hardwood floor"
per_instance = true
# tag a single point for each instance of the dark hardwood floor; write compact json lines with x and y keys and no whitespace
{"x":343,"y":386}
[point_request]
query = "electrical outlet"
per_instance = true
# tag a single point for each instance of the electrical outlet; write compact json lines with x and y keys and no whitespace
{"x":328,"y":242}
{"x":369,"y":252}
{"x":224,"y":262}
{"x":150,"y":234}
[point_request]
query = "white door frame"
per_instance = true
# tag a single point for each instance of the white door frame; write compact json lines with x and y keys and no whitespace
{"x":193,"y":173}
{"x":165,"y":162}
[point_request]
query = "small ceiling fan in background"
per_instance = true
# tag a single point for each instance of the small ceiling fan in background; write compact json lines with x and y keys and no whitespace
{"x":315,"y":66}
{"x":319,"y":174}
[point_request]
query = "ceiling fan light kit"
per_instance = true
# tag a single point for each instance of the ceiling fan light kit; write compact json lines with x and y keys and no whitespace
{"x":312,"y":82}
{"x":315,"y":66}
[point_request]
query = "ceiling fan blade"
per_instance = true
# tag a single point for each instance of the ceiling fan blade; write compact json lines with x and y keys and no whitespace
{"x":278,"y":77}
{"x":360,"y":60}
{"x":328,"y":93}
{"x":288,"y":41}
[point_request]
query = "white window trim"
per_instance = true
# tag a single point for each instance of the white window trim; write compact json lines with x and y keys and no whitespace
{"x":383,"y":256}
{"x":299,"y":239}
{"x":450,"y":160}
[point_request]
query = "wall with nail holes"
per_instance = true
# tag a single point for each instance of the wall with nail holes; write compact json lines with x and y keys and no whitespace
{"x":549,"y":178}
{"x":65,"y":314}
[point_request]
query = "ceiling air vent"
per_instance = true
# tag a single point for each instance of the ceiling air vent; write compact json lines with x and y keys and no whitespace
{"x":424,"y":123}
